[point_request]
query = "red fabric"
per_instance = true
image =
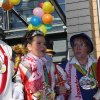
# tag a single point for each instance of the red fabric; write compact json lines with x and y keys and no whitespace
{"x":59,"y":80}
{"x":98,"y":72}
{"x":27,"y":96}
{"x":4,"y":75}
{"x":30,"y":87}
{"x":35,"y":85}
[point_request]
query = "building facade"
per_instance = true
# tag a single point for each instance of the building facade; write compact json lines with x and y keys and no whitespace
{"x":83,"y":17}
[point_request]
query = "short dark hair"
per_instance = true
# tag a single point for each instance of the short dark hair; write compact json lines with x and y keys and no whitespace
{"x":85,"y":37}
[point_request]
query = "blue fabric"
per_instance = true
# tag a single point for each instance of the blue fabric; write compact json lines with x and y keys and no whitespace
{"x":86,"y":94}
{"x":63,"y":64}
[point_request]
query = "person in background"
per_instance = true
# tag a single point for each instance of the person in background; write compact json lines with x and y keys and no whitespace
{"x":32,"y":82}
{"x":63,"y":63}
{"x":58,"y":77}
{"x":50,"y":52}
{"x":6,"y":68}
{"x":97,"y":95}
{"x":81,"y":69}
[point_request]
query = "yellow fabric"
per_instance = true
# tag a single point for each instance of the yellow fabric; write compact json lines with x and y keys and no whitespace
{"x":50,"y":50}
{"x":94,"y":70}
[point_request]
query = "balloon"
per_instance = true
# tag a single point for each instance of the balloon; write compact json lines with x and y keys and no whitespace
{"x":47,"y":19}
{"x":38,"y":12}
{"x":7,"y":5}
{"x":1,"y":2}
{"x":48,"y":27}
{"x":47,"y":7}
{"x":35,"y":28}
{"x":15,"y":2}
{"x":52,"y":9}
{"x":31,"y":27}
{"x":36,"y":21}
{"x":43,"y":29}
{"x":41,"y":4}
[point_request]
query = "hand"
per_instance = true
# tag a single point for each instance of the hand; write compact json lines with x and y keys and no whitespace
{"x":63,"y":90}
{"x":37,"y":95}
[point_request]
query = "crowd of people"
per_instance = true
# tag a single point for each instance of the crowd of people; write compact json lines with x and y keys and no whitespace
{"x":34,"y":76}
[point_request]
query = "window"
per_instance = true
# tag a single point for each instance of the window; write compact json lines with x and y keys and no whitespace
{"x":25,"y":9}
{"x":17,"y":28}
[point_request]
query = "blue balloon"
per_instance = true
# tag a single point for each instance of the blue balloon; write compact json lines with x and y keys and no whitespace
{"x":36,"y":21}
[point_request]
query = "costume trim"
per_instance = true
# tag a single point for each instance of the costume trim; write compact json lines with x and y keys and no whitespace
{"x":92,"y":70}
{"x":4,"y":75}
{"x":73,"y":82}
{"x":46,"y":75}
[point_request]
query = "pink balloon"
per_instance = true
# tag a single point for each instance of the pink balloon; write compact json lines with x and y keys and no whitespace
{"x":38,"y":12}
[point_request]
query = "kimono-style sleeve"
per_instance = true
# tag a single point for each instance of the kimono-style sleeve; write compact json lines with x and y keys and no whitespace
{"x":68,"y":77}
{"x":18,"y":87}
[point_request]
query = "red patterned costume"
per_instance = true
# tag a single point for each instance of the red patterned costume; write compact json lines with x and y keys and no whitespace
{"x":5,"y":71}
{"x":30,"y":78}
{"x":57,"y":76}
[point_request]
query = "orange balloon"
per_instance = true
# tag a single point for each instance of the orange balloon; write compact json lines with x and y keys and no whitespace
{"x":47,"y":18}
{"x":7,"y":5}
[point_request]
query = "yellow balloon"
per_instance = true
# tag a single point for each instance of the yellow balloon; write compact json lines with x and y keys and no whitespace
{"x":43,"y":29}
{"x":15,"y":2}
{"x":35,"y":28}
{"x":52,"y":9}
{"x":31,"y":27}
{"x":47,"y":7}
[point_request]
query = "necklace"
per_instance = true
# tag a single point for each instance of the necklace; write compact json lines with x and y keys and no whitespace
{"x":86,"y":82}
